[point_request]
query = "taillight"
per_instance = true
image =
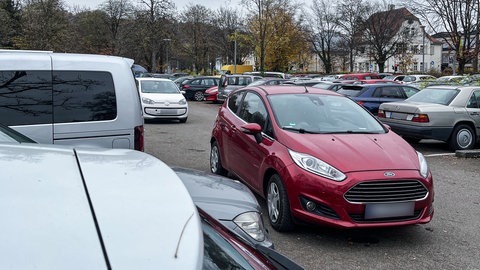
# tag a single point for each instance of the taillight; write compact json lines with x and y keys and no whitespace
{"x":420,"y":118}
{"x":185,"y":86}
{"x":360,"y":102}
{"x":381,"y":113}
{"x":138,"y":138}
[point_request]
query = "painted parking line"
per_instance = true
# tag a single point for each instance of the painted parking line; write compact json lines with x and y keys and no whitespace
{"x":440,"y":155}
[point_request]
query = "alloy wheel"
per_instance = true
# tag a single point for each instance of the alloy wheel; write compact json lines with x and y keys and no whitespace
{"x":273,"y":202}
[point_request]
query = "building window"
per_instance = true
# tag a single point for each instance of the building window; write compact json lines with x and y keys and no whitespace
{"x":415,"y":66}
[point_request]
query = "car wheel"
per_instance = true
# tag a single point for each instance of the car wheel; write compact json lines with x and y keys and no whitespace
{"x":462,"y":138}
{"x":278,"y":205}
{"x":411,"y":139}
{"x":215,"y":160}
{"x":198,"y":96}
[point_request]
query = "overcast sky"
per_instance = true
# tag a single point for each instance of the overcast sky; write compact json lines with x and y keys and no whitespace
{"x":181,"y":4}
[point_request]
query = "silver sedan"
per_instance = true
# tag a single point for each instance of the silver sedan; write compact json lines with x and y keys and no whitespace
{"x":446,"y":113}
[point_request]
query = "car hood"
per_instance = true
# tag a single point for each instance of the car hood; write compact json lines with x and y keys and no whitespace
{"x":220,"y":197}
{"x":409,"y":107}
{"x":162,"y":98}
{"x":57,"y":202}
{"x":356,"y":152}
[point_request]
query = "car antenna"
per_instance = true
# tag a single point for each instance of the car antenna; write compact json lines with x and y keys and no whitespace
{"x":305,"y":86}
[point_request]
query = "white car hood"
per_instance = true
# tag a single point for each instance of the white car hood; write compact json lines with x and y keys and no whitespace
{"x":145,"y":216}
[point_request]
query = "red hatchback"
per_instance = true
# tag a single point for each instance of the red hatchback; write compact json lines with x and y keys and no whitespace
{"x":319,"y":157}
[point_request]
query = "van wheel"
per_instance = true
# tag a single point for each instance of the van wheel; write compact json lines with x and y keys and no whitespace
{"x":216,"y":166}
{"x":278,"y":205}
{"x":462,"y":138}
{"x":198,"y":96}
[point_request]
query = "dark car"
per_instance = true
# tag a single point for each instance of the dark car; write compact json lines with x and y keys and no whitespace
{"x":372,"y":95}
{"x":317,"y":156}
{"x":228,"y":83}
{"x":195,"y":88}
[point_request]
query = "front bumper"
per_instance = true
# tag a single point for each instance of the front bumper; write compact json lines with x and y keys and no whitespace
{"x":165,"y":112}
{"x":334,"y":209}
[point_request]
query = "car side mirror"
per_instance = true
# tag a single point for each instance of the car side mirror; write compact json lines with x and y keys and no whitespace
{"x":253,"y":129}
{"x":183,"y":92}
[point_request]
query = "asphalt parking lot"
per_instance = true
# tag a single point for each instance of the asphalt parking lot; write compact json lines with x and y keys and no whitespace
{"x":450,"y":241}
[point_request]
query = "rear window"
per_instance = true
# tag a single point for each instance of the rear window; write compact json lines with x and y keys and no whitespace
{"x":352,"y":91}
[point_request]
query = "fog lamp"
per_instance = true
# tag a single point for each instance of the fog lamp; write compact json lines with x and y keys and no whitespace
{"x":311,"y":206}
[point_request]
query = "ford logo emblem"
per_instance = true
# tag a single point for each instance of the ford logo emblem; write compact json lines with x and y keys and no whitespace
{"x":389,"y":174}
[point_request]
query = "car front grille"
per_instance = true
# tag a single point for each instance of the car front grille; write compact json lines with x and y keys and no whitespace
{"x":384,"y":191}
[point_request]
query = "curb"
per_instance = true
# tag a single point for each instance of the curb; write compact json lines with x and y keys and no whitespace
{"x":468,"y":153}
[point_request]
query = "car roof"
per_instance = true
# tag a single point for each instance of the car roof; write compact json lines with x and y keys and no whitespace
{"x":91,"y":208}
{"x":289,"y":89}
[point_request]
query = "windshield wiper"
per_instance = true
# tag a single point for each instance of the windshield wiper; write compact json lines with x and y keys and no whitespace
{"x":300,"y":130}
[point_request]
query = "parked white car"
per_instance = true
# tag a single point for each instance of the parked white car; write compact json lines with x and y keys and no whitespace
{"x":162,"y":99}
{"x":74,"y":208}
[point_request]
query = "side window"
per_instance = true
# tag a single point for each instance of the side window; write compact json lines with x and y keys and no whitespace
{"x":474,"y":101}
{"x":391,"y":92}
{"x":253,"y":110}
{"x":234,"y":101}
{"x":80,"y":96}
{"x":196,"y":82}
{"x":409,"y":91}
{"x":26,"y":97}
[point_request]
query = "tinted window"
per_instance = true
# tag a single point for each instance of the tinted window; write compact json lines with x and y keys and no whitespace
{"x":474,"y":101}
{"x":234,"y":101}
{"x":388,"y":92}
{"x":253,"y":110}
{"x":25,"y":97}
{"x":83,"y":96}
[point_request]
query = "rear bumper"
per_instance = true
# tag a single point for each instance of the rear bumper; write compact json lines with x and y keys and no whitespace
{"x":422,"y":132}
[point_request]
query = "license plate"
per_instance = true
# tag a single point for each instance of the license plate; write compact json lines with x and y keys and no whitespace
{"x":386,"y":210}
{"x":388,"y":114}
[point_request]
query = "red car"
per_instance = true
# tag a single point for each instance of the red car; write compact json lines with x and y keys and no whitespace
{"x":211,"y":94}
{"x":319,"y":157}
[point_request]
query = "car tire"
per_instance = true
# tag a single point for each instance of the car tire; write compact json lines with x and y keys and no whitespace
{"x":411,"y":139}
{"x":216,"y":166}
{"x":198,"y":96}
{"x":278,"y":205}
{"x":462,"y":138}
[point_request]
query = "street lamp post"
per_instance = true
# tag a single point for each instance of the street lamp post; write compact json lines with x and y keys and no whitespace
{"x":423,"y":47}
{"x":166,"y":53}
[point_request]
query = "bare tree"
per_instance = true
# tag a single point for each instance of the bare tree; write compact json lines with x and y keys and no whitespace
{"x":324,"y":32}
{"x":352,"y":14}
{"x":155,"y":15}
{"x":382,"y":35}
{"x":459,"y":20}
{"x":117,"y":11}
{"x":228,"y":23}
{"x":198,"y":30}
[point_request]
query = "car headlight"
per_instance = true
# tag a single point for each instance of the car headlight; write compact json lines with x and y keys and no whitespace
{"x":317,"y":166}
{"x":251,"y":223}
{"x":182,"y":101}
{"x":423,"y":165}
{"x":147,"y":100}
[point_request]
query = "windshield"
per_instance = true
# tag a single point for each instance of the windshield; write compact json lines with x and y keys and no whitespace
{"x":164,"y":87}
{"x":316,"y":113}
{"x":258,"y":82}
{"x":434,"y":95}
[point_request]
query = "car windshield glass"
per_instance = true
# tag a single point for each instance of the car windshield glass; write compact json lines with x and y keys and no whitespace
{"x":316,"y":113}
{"x":164,"y":87}
{"x":433,"y":95}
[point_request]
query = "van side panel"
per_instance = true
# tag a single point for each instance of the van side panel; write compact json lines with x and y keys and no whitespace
{"x":117,"y":131}
{"x":26,"y":94}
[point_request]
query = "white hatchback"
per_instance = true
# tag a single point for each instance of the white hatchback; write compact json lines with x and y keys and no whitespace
{"x":162,"y":99}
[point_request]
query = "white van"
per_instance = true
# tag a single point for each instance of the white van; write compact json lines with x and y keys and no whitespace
{"x":73,"y":99}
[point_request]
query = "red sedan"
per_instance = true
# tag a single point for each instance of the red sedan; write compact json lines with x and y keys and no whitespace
{"x":211,"y":94}
{"x":319,"y":157}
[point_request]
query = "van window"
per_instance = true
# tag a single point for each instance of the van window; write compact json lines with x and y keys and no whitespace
{"x":83,"y":96}
{"x":25,"y":97}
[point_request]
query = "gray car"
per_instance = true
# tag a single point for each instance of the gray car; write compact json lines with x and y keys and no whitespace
{"x":446,"y":113}
{"x":228,"y":201}
{"x":228,"y":83}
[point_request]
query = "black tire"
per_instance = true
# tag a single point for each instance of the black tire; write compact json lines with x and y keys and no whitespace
{"x":216,"y":166}
{"x":462,"y":138}
{"x":411,"y":139}
{"x":198,"y":96}
{"x":278,"y":205}
{"x":182,"y":120}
